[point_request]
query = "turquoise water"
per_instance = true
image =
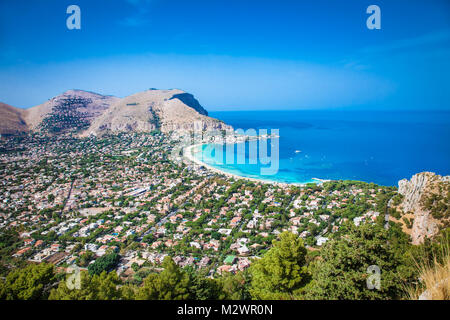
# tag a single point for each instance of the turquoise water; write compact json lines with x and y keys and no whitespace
{"x":379,"y":147}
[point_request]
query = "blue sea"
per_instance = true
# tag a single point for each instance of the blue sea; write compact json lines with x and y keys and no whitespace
{"x":372,"y":146}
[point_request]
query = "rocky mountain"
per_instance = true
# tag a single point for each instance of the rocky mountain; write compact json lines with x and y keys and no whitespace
{"x":11,"y":120}
{"x":166,"y":110}
{"x":74,"y":110}
{"x":426,"y":198}
{"x":87,"y":113}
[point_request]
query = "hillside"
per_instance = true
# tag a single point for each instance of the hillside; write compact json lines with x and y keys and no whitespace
{"x":87,"y":113}
{"x":72,"y":110}
{"x":12,"y":121}
{"x":166,"y":110}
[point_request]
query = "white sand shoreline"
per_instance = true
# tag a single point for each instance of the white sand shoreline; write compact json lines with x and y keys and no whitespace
{"x":188,"y":153}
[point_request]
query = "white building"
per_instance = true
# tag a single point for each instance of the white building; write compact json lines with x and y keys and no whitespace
{"x":321,"y":240}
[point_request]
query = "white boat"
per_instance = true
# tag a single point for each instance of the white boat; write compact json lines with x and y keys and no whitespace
{"x":297,"y":151}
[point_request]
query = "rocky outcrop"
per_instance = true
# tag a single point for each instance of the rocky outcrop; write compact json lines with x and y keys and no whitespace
{"x":189,"y":100}
{"x":420,"y":195}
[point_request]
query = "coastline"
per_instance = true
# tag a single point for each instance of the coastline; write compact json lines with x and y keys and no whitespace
{"x":188,"y":153}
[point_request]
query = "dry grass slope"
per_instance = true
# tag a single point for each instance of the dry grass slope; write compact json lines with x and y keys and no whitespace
{"x":12,"y":121}
{"x":434,"y":277}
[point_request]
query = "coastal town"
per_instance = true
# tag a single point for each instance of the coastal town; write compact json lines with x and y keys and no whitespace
{"x":209,"y":159}
{"x":71,"y":201}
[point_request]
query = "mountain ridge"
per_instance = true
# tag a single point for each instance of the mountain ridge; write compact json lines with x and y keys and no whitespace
{"x":89,"y":113}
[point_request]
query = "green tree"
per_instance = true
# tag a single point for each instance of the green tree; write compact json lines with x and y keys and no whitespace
{"x":203,"y":288}
{"x":171,"y":284}
{"x":135,"y":266}
{"x":50,"y":198}
{"x":29,"y":283}
{"x":86,"y":258}
{"x":342,"y":270}
{"x":281,"y":273}
{"x":105,"y":263}
{"x":96,"y":287}
{"x":236,"y":286}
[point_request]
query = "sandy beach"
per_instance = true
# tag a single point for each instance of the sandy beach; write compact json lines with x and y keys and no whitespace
{"x":189,"y":154}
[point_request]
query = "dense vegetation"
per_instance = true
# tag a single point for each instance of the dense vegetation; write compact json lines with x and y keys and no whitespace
{"x":105,"y":263}
{"x":287,"y":271}
{"x":439,"y":204}
{"x":65,"y":116}
{"x":213,"y":222}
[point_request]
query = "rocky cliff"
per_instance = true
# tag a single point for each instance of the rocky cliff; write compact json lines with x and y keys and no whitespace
{"x":426,"y":196}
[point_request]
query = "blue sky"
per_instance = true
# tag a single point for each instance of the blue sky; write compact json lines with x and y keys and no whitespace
{"x":232,"y":55}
